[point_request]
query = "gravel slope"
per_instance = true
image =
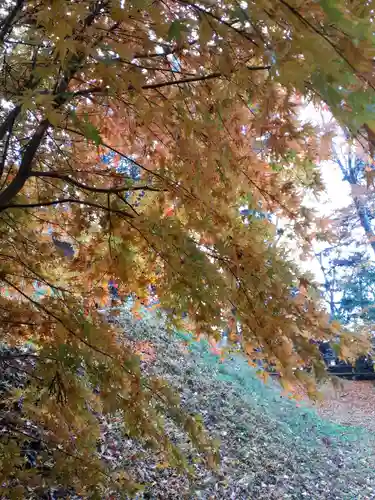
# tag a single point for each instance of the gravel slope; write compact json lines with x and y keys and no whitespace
{"x":270,"y":448}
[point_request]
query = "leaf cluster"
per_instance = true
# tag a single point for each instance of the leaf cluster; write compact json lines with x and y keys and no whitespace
{"x":134,"y":132}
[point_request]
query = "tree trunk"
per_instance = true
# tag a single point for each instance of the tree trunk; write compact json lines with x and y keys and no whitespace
{"x":365,"y":221}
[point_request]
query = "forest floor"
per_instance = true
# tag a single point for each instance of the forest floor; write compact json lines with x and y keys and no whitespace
{"x":272,"y":448}
{"x":352,"y":404}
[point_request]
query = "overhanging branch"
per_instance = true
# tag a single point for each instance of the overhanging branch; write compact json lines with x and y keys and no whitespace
{"x":197,"y":78}
{"x":158,"y":85}
{"x":67,"y":200}
{"x":24,"y":171}
{"x":93,"y":189}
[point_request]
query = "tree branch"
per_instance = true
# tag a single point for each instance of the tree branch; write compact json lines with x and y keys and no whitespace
{"x":142,"y":167}
{"x":219,"y":20}
{"x":158,"y":85}
{"x":327,"y":39}
{"x":6,"y":145}
{"x":9,"y":121}
{"x":7,"y":22}
{"x":67,"y":200}
{"x":24,"y":171}
{"x":197,"y":78}
{"x":85,"y":187}
{"x":60,"y":99}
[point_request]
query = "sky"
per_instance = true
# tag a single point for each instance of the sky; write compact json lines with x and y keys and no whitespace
{"x":337,"y":194}
{"x":338,"y":191}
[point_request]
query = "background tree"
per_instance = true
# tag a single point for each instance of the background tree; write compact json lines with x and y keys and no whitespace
{"x":345,"y":264}
{"x":358,"y":299}
{"x":338,"y":266}
{"x":130,"y":130}
{"x":357,"y":169}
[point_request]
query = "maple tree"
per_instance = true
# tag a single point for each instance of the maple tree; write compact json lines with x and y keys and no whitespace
{"x":133,"y":132}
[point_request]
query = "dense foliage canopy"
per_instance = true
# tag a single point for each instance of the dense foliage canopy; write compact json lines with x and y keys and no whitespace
{"x":136,"y":131}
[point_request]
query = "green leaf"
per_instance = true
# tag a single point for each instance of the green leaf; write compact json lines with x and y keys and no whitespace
{"x":92,"y":133}
{"x":205,"y":31}
{"x":176,"y":29}
{"x":330,"y":8}
{"x":240,"y":14}
{"x":334,"y":96}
